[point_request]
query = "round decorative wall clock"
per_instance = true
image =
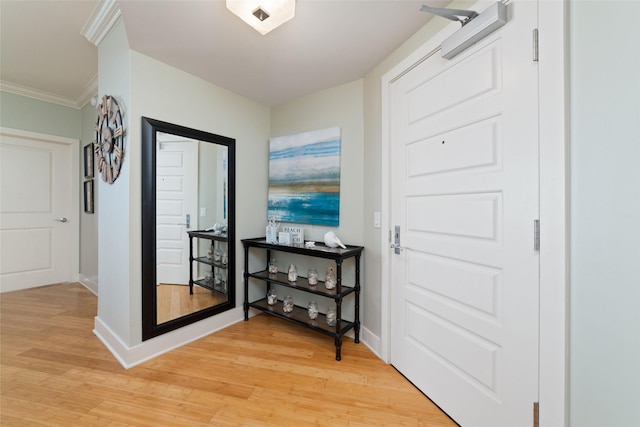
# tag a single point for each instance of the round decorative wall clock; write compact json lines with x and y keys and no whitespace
{"x":109,"y":143}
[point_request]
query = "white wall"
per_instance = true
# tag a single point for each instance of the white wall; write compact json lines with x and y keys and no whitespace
{"x":152,"y":89}
{"x":356,"y":107}
{"x":177,"y":97}
{"x":605,"y":214}
{"x":88,"y":222}
{"x":372,"y":171}
{"x":605,"y":307}
{"x":33,"y":115}
{"x":118,"y":258}
{"x":21,"y":112}
{"x":339,"y":106}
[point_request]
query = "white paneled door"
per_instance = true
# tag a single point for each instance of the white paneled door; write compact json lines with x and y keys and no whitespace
{"x":464,"y":195}
{"x":176,"y":205}
{"x":35,"y":211}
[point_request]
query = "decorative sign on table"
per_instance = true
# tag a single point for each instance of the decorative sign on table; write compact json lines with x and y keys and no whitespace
{"x":296,"y":235}
{"x":304,"y":177}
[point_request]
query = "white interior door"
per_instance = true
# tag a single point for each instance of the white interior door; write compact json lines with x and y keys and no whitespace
{"x":176,"y":205}
{"x":464,"y":194}
{"x":35,"y":212}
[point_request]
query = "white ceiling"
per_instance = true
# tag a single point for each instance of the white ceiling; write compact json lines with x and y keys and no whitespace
{"x":328,"y":42}
{"x":42,"y":52}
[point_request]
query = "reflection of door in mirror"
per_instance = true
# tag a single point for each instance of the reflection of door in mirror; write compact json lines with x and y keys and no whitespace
{"x":182,"y":205}
{"x":176,"y":204}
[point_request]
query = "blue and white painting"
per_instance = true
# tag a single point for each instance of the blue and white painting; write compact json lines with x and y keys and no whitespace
{"x":304,"y":178}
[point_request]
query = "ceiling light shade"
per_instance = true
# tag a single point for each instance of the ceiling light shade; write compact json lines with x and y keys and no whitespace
{"x":263,"y":15}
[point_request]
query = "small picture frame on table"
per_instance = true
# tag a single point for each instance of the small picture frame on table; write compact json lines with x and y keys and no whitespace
{"x":88,"y":196}
{"x":88,"y":161}
{"x":284,"y":238}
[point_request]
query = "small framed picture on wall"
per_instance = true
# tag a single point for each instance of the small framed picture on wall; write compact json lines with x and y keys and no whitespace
{"x":88,"y":161}
{"x":88,"y":196}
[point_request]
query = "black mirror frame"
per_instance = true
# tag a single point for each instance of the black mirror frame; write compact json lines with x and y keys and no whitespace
{"x":150,"y":127}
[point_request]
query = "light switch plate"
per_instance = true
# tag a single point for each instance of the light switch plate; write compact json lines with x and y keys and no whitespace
{"x":376,"y":219}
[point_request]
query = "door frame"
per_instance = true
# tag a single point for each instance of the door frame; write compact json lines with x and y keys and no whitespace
{"x":74,"y":185}
{"x":554,"y":209}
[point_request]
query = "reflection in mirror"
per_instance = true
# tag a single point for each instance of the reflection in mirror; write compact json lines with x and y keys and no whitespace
{"x":188,"y":225}
{"x":191,"y":184}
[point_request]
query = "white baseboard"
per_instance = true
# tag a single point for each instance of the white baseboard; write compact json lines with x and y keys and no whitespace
{"x":371,"y":340}
{"x":111,"y":341}
{"x":21,"y":287}
{"x":88,"y":283}
{"x":132,"y":356}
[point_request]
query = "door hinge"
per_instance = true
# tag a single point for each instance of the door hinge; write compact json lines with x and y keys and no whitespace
{"x":535,"y":45}
{"x":536,"y":234}
{"x":536,"y":418}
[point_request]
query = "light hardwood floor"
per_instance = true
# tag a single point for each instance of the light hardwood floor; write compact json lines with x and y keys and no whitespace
{"x":264,"y":372}
{"x":175,"y":300}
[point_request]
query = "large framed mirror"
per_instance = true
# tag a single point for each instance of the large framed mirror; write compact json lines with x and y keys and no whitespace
{"x":188,"y":226}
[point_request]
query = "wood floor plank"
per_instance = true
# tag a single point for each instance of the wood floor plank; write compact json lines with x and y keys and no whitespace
{"x":264,"y":372}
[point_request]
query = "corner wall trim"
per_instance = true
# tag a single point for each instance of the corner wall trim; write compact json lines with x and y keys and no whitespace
{"x":372,"y":341}
{"x":88,"y":283}
{"x":147,"y":350}
{"x":103,"y":18}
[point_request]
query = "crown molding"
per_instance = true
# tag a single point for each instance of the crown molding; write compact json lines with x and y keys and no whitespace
{"x":90,"y":90}
{"x":103,"y":18}
{"x":37,"y":94}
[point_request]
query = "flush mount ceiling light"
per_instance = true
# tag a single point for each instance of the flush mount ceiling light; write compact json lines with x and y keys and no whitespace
{"x":263,"y":15}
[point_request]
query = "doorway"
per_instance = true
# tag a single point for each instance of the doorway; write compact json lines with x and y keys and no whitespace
{"x":38,"y":209}
{"x":463,"y":192}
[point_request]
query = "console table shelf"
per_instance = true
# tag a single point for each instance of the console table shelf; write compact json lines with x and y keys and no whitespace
{"x":219,"y":240}
{"x":299,"y":315}
{"x":302,"y":283}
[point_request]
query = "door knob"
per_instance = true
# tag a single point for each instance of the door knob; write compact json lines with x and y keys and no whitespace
{"x":63,"y":219}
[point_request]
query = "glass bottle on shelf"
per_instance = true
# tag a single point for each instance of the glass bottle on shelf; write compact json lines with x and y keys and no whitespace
{"x":330,"y":278}
{"x":293,"y":273}
{"x":287,"y":304}
{"x":312,"y":276}
{"x":312,"y":309}
{"x":272,"y":297}
{"x":273,"y":266}
{"x":331,"y":317}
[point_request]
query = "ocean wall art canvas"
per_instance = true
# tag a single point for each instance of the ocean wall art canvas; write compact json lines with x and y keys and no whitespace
{"x":304,"y":177}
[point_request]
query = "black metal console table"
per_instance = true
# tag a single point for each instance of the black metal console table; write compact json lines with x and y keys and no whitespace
{"x":299,"y":315}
